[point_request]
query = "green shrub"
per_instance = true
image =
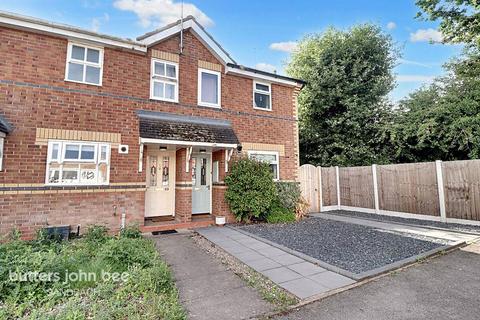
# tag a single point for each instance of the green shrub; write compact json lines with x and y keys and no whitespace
{"x":279,"y":214}
{"x":122,"y":253}
{"x":96,"y":234}
{"x":289,"y":194}
{"x":251,"y":189}
{"x":132,"y":232}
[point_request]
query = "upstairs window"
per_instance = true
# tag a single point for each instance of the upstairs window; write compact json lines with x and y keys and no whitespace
{"x":270,"y":157}
{"x":262,"y":96}
{"x":2,"y":137}
{"x":84,"y":64}
{"x":77,"y":163}
{"x":209,"y":84}
{"x":164,"y":82}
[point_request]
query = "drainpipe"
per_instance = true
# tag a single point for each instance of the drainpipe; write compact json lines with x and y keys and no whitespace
{"x":124,"y":216}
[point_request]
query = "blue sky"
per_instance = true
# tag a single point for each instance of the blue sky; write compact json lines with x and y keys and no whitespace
{"x":260,"y":33}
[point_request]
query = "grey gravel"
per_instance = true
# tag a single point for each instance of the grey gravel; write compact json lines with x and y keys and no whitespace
{"x":352,"y":247}
{"x":435,"y":224}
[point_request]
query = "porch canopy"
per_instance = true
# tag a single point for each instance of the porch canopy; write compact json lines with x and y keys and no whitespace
{"x":196,"y":134}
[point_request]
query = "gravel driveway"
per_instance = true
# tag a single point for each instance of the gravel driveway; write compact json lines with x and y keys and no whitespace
{"x":351,"y":247}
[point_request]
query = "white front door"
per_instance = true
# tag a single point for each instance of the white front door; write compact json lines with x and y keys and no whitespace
{"x":201,"y":183}
{"x":160,"y":194}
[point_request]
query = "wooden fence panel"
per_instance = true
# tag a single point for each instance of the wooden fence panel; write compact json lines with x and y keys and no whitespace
{"x":356,"y":187}
{"x":409,"y":188}
{"x":310,"y":186}
{"x":461,"y":180}
{"x":329,"y":186}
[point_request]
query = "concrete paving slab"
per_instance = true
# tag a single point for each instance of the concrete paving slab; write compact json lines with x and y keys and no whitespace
{"x":248,"y":256}
{"x":304,"y":288}
{"x":306,"y":268}
{"x":263,"y":264}
{"x":282,"y":274}
{"x":237,"y":249}
{"x":287,"y":259}
{"x":331,"y":280}
{"x":271,"y":252}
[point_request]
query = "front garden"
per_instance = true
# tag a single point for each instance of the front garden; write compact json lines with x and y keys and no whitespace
{"x":95,"y":277}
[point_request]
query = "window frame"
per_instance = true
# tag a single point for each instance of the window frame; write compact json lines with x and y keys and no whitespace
{"x":85,"y":63}
{"x":219,"y":89}
{"x":277,"y":162}
{"x":2,"y":148}
{"x":255,"y":90}
{"x":60,"y":160}
{"x":164,"y":79}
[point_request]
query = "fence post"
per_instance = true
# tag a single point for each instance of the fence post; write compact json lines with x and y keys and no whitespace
{"x":441,"y":191}
{"x":320,"y":192}
{"x":337,"y":172}
{"x":375,"y":188}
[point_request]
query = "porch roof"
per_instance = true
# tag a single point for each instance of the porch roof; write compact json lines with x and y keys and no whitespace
{"x":5,"y":127}
{"x":174,"y":127}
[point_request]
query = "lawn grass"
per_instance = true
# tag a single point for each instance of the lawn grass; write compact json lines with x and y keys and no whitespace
{"x":124,"y":278}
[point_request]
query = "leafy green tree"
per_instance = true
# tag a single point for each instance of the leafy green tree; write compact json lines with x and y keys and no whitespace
{"x":442,"y":121}
{"x":343,"y":108}
{"x":459,"y":19}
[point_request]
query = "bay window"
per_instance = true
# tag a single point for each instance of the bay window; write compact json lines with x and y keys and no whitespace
{"x":84,"y":64}
{"x":270,"y":157}
{"x":209,"y":84}
{"x":164,"y":82}
{"x":78,"y":163}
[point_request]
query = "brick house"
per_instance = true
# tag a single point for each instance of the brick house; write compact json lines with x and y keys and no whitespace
{"x":95,"y":128}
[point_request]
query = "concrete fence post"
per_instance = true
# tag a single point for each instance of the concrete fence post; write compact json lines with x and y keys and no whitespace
{"x":337,"y":172}
{"x":441,"y":191}
{"x":375,"y":189}
{"x":320,"y":191}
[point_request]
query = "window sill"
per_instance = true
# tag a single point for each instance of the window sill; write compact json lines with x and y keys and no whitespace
{"x":262,"y":109}
{"x":214,"y":106}
{"x":163,"y":100}
{"x":81,"y":82}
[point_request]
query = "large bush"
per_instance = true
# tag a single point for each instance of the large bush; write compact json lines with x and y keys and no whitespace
{"x":251,"y":189}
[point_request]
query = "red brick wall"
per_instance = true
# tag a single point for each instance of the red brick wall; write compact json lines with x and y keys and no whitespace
{"x":33,"y":94}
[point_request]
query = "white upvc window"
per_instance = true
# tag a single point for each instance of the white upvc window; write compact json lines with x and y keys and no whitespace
{"x":164,"y":82}
{"x":84,"y":64}
{"x":209,"y":88}
{"x":262,"y":96}
{"x":270,"y":157}
{"x":2,"y":137}
{"x":77,"y":163}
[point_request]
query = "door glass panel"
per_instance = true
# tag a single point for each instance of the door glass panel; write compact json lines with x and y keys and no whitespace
{"x":153,"y":171}
{"x":194,"y":171}
{"x":203,"y":173}
{"x":165,"y":171}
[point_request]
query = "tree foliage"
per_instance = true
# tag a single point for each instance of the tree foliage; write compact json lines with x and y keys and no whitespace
{"x":459,"y":19}
{"x":442,"y":121}
{"x":343,"y":108}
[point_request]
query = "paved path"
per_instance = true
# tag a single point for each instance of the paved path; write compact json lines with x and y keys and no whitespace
{"x":449,"y":235}
{"x":207,"y":289}
{"x":446,"y":287}
{"x":301,"y":278}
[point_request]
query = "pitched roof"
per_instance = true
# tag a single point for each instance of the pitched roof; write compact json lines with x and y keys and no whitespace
{"x":167,"y":126}
{"x":5,"y":127}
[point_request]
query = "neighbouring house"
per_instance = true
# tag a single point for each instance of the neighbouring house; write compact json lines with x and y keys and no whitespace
{"x":96,"y":129}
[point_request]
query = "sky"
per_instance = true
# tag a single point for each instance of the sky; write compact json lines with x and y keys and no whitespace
{"x":262,"y":34}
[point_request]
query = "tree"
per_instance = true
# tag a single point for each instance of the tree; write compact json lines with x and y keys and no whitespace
{"x":442,"y":121}
{"x":459,"y":19}
{"x":343,"y":107}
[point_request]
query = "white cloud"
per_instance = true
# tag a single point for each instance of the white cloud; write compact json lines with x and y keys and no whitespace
{"x":266,"y":67}
{"x":414,"y":78}
{"x":97,"y":22}
{"x":162,"y":12}
{"x":415,"y":63}
{"x":426,"y":35}
{"x":391,"y":25}
{"x":287,"y":46}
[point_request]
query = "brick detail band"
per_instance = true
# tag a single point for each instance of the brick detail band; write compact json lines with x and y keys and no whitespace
{"x":12,"y":189}
{"x":249,"y":146}
{"x":44,"y":134}
{"x":209,"y":66}
{"x":165,"y":56}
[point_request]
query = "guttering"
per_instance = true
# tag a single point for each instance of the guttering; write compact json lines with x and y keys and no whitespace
{"x":263,"y":75}
{"x":46,"y":27}
{"x":188,"y":143}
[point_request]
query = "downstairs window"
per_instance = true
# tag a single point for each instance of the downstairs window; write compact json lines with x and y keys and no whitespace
{"x":270,"y":157}
{"x":78,"y":163}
